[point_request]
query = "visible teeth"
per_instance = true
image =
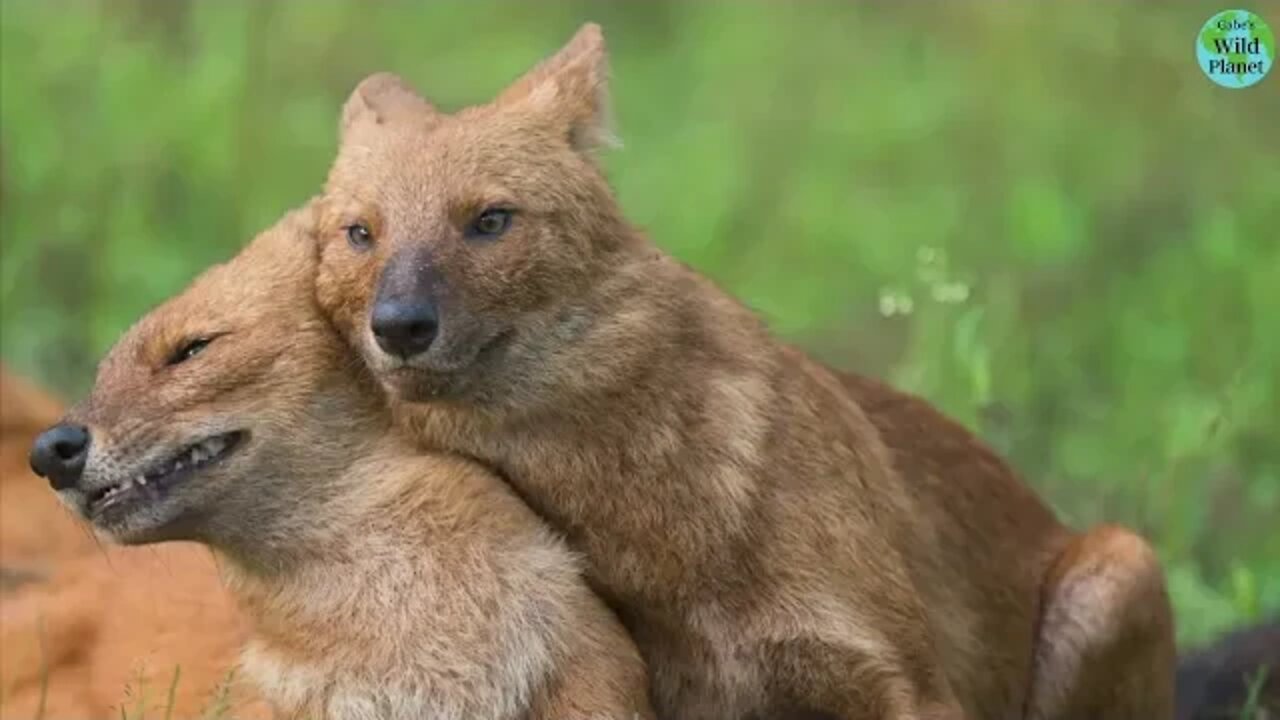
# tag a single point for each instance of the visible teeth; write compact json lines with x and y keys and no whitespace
{"x":205,"y":451}
{"x":193,"y":457}
{"x":118,"y":489}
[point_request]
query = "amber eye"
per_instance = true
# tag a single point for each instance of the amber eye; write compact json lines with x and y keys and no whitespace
{"x":359,"y":237}
{"x":188,"y":350}
{"x":490,"y":224}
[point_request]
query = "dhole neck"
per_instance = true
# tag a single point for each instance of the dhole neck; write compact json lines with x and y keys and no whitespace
{"x":326,"y":523}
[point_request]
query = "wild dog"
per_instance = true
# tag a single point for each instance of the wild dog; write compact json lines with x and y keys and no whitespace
{"x":85,"y":633}
{"x":381,"y":582}
{"x":774,"y":540}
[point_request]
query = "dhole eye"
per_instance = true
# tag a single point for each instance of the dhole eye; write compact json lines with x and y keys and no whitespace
{"x":359,"y":236}
{"x":490,"y":224}
{"x":189,"y":350}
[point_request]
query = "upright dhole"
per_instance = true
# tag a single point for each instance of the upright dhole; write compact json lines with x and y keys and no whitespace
{"x":774,"y":540}
{"x":380,"y":582}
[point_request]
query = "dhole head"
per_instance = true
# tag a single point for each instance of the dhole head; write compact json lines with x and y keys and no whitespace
{"x":208,"y":405}
{"x":453,"y":245}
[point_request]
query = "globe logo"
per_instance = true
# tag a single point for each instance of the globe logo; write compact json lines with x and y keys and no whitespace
{"x":1235,"y":48}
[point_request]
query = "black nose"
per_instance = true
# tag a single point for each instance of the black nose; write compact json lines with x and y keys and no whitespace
{"x":404,"y":328}
{"x":59,"y":454}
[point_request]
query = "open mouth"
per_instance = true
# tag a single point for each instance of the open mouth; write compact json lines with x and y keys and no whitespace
{"x":151,"y":484}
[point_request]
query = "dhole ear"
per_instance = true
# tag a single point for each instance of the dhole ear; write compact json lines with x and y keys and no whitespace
{"x":382,"y":98}
{"x":571,"y":88}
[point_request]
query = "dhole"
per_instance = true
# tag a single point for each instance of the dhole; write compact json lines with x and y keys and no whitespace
{"x":380,"y":582}
{"x":85,"y":633}
{"x":774,"y":539}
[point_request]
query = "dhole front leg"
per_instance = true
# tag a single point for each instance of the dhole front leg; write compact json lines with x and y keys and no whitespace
{"x":1105,"y":648}
{"x":825,"y":680}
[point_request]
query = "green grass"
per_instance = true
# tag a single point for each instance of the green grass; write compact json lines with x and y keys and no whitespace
{"x":1253,"y":709}
{"x":1040,"y":216}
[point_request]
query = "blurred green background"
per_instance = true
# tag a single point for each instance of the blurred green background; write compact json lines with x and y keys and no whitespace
{"x":1042,"y":217}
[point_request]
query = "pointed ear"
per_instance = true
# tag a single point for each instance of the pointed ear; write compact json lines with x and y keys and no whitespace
{"x":382,"y":98}
{"x":571,"y":89}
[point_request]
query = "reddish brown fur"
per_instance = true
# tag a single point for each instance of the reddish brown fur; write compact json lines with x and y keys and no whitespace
{"x":774,"y":539}
{"x":109,"y":630}
{"x":83,"y":626}
{"x":36,"y":533}
{"x":1105,"y":646}
{"x":380,"y":582}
